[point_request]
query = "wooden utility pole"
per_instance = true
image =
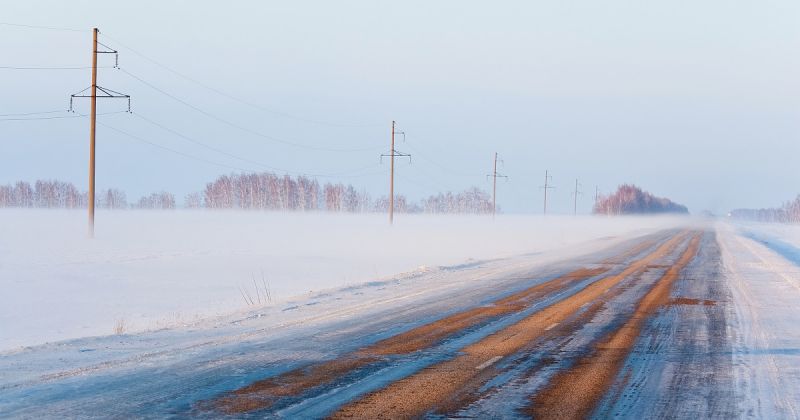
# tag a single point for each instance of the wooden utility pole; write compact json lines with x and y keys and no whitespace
{"x":92,"y":128}
{"x":392,"y":154}
{"x":107,"y":93}
{"x":494,"y":176}
{"x":546,"y":187}
{"x":596,"y":195}
{"x":494,"y":186}
{"x":575,"y":205}
{"x":391,"y":181}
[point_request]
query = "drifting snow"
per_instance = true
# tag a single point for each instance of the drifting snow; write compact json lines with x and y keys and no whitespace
{"x":781,"y":238}
{"x":149,"y":270}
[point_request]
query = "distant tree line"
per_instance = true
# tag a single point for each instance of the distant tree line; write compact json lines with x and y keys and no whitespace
{"x":789,"y":212}
{"x":43,"y":194}
{"x":630,"y":199}
{"x":472,"y":200}
{"x":257,"y":191}
{"x":268,"y":191}
{"x":50,"y":194}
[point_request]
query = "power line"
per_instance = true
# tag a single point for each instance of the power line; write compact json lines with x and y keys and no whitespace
{"x":343,"y":174}
{"x":238,"y":168}
{"x":437,"y":164}
{"x":52,"y":28}
{"x":188,"y":156}
{"x":50,"y":68}
{"x":239,"y":127}
{"x":57,"y":117}
{"x":422,"y":184}
{"x":235,"y":98}
{"x":20,"y":114}
{"x":453,"y":185}
{"x":171,"y":150}
{"x":212,"y":148}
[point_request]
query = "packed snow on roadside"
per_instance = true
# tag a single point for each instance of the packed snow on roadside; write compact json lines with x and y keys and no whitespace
{"x":154,"y":269}
{"x":781,"y":238}
{"x":765,"y":286}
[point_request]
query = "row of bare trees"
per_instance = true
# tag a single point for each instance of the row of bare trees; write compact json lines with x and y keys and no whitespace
{"x":56,"y":194}
{"x":263,"y":191}
{"x":43,"y":194}
{"x":269,"y":191}
{"x":159,"y":200}
{"x":472,"y":200}
{"x":789,"y":212}
{"x":630,"y":199}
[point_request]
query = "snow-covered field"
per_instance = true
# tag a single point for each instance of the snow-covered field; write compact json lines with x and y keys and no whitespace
{"x":149,"y":269}
{"x":736,"y":356}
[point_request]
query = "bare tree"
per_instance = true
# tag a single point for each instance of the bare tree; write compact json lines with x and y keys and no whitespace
{"x":630,"y":199}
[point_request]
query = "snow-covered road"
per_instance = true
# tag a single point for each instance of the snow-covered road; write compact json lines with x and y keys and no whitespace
{"x":765,"y":328}
{"x":700,"y":321}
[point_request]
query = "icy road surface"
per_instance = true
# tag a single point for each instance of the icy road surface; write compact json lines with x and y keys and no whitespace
{"x":692,"y":322}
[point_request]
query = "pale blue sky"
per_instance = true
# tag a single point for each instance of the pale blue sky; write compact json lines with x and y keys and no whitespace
{"x":697,"y":101}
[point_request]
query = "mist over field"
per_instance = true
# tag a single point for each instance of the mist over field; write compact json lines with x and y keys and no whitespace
{"x":167,"y":268}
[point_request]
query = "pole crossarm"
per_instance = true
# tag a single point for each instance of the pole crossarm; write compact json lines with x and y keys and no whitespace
{"x":106,"y":94}
{"x":108,"y":50}
{"x":395,"y":154}
{"x":497,"y":175}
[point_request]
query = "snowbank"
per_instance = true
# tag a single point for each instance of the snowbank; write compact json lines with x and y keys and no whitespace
{"x":153,"y":269}
{"x":781,"y":238}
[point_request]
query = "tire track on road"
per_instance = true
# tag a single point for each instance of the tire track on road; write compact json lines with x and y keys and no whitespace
{"x":263,"y":394}
{"x":417,"y":394}
{"x":266,"y":393}
{"x":575,"y":392}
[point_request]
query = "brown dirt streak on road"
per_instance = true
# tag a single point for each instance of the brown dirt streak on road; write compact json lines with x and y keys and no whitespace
{"x":473,"y":390}
{"x":691,"y":301}
{"x":575,"y":392}
{"x":413,"y":396}
{"x":426,"y":335}
{"x":263,"y":394}
{"x":636,"y":250}
{"x":429,"y":334}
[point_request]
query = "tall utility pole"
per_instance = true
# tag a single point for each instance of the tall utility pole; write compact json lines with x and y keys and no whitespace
{"x":106,"y":93}
{"x":546,"y":187}
{"x":92,"y":128}
{"x":575,"y":206}
{"x":596,"y":195}
{"x":494,"y":176}
{"x":392,"y":154}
